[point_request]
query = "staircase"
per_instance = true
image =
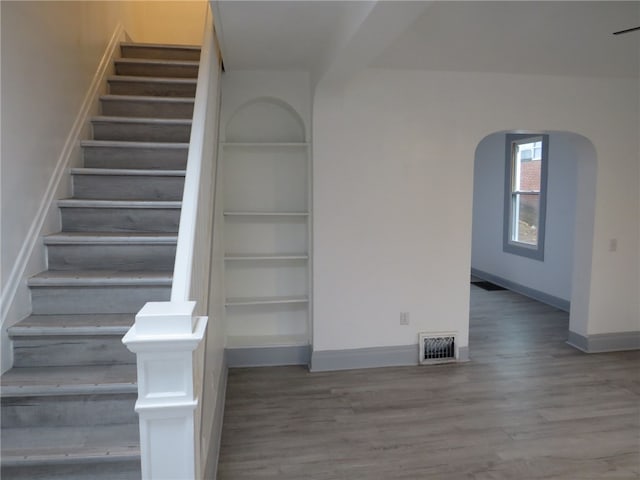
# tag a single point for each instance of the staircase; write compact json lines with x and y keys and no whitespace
{"x":68,"y":403}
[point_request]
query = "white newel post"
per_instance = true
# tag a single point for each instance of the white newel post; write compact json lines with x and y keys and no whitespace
{"x":165,"y":338}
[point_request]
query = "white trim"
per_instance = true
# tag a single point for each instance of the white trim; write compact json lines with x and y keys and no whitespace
{"x":168,"y":399}
{"x":191,"y":217}
{"x":212,"y":453}
{"x":217,"y":25}
{"x":62,"y":165}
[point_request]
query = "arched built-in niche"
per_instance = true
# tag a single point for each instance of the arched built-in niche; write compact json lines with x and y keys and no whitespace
{"x":266,"y":197}
{"x":564,"y":277}
{"x":265,"y":119}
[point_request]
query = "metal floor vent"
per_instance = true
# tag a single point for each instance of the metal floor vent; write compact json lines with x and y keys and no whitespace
{"x":437,"y":348}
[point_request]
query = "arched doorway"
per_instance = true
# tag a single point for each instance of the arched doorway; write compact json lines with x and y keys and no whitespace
{"x":563,"y":277}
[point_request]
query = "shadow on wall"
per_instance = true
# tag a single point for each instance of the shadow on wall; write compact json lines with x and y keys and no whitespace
{"x":564,"y":277}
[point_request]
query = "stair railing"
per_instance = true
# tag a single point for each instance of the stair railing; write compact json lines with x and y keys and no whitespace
{"x":169,"y":337}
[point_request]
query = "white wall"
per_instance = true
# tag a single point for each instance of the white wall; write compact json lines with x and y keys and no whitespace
{"x":393,"y":179}
{"x":553,"y":275}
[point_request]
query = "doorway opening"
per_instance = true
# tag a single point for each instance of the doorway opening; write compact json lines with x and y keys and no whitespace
{"x":562,"y":278}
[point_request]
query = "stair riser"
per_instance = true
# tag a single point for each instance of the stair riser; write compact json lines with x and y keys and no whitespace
{"x":137,"y":132}
{"x":81,"y":300}
{"x":146,"y":109}
{"x":164,"y":53}
{"x":154,"y":89}
{"x":126,"y":187}
{"x":111,"y":257}
{"x":147,"y":162}
{"x":159,"y":70}
{"x":71,"y":350}
{"x":96,"y":470}
{"x":134,"y":156}
{"x":68,"y":410}
{"x":142,"y":220}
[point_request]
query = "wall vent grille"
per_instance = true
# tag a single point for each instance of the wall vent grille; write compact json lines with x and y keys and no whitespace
{"x":437,"y":348}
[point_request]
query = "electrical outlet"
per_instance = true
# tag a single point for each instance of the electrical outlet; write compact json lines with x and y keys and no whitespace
{"x":404,"y":318}
{"x":613,"y":245}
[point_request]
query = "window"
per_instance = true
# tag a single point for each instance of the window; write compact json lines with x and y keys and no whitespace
{"x":525,"y":194}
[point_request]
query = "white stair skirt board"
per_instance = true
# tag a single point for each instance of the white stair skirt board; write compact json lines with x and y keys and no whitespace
{"x":560,"y":303}
{"x":394,"y":356}
{"x":605,"y":342}
{"x":213,"y":450}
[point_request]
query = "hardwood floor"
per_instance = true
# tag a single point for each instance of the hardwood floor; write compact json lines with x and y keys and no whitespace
{"x":527,"y":406}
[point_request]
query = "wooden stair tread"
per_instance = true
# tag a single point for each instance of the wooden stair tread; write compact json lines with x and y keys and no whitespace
{"x":170,"y":46}
{"x":94,"y":278}
{"x":89,"y":324}
{"x":142,"y":120}
{"x":125,"y":144}
{"x":129,"y":172}
{"x":141,"y":79}
{"x":157,"y":61}
{"x":146,"y":98}
{"x":67,"y":444}
{"x":75,"y":238}
{"x":69,"y":380}
{"x":80,"y":203}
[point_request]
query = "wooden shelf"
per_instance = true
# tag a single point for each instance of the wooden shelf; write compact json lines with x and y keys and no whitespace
{"x":238,"y":341}
{"x":247,"y":301}
{"x":266,"y":214}
{"x":264,"y":144}
{"x":260,"y":256}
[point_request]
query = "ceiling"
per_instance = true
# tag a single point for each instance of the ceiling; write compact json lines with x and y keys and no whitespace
{"x":548,"y":37}
{"x":279,"y":35}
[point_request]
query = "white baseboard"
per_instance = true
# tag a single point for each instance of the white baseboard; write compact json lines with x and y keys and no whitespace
{"x":29,"y":259}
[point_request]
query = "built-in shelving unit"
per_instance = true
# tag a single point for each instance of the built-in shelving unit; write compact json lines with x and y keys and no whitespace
{"x":267,"y":235}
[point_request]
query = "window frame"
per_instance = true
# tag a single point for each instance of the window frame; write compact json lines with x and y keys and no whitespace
{"x":509,"y":245}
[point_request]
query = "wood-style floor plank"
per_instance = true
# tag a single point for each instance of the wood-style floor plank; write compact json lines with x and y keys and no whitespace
{"x":527,"y":406}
